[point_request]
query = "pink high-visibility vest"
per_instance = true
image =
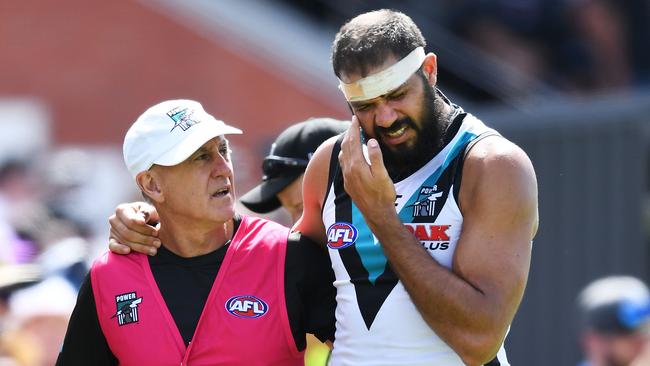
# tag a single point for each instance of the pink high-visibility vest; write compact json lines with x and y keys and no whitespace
{"x":244,"y":321}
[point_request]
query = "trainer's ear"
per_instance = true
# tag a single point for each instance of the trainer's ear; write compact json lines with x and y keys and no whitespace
{"x":149,"y":183}
{"x":430,"y":68}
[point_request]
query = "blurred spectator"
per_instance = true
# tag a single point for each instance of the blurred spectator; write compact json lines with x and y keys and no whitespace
{"x":14,"y":249}
{"x":16,"y":184}
{"x":283,"y":168}
{"x":66,"y":258}
{"x":12,"y":278}
{"x":69,"y":173}
{"x":44,"y":249}
{"x":615,"y":315}
{"x":575,"y":45}
{"x":37,"y":321}
{"x":17,"y":194}
{"x":517,"y":32}
{"x":600,"y":28}
{"x":61,"y":249}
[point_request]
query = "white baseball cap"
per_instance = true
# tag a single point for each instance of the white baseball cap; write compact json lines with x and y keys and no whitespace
{"x":168,"y":133}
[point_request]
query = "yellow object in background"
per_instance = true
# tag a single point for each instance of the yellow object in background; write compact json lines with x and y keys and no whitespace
{"x":316,"y":353}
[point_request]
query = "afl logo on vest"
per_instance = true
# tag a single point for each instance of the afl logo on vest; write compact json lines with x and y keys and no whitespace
{"x":246,"y":306}
{"x":341,"y":235}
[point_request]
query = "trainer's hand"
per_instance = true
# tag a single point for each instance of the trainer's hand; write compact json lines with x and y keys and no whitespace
{"x":130,"y":229}
{"x":369,"y":185}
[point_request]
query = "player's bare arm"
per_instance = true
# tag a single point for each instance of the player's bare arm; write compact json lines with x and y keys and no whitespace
{"x":314,"y":187}
{"x":471,"y":306}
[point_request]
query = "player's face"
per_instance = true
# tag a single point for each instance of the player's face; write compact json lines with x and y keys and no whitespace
{"x":404,"y":121}
{"x":201,"y":187}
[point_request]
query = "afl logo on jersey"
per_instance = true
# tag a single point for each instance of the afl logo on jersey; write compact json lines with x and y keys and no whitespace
{"x":246,"y":306}
{"x":341,"y":235}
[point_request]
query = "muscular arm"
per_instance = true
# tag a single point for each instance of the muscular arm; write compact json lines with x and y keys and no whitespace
{"x":314,"y":187}
{"x":471,"y":306}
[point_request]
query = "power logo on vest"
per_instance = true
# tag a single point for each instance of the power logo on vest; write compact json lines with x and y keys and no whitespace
{"x":246,"y":306}
{"x":127,"y":308}
{"x":341,"y":235}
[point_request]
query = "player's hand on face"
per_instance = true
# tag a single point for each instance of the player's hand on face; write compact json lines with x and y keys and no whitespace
{"x":369,"y":185}
{"x":131,"y":229}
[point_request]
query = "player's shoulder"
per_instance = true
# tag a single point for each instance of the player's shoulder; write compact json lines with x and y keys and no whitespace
{"x":496,"y":154}
{"x":494,"y":167}
{"x":318,"y":168}
{"x":499,"y":178}
{"x":324,"y":151}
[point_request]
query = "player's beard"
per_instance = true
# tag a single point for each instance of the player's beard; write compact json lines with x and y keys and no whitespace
{"x":404,"y":161}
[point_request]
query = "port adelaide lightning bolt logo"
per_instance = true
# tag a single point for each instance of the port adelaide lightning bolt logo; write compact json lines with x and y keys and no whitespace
{"x":426,"y":204}
{"x":182,"y":118}
{"x":127,"y":308}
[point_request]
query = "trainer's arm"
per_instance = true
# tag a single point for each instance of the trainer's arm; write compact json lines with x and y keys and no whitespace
{"x":471,"y":306}
{"x":84,"y":342}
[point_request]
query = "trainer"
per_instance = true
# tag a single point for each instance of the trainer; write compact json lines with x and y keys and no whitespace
{"x":224,"y":289}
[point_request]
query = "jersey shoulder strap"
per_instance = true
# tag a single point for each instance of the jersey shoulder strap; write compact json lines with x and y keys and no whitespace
{"x":334,"y":170}
{"x":458,"y":173}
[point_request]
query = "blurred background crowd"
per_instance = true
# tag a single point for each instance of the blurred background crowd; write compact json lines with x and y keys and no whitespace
{"x":568,"y":80}
{"x":503,"y":49}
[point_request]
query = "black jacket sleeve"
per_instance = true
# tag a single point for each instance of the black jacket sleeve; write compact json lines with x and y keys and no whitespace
{"x":84,"y":342}
{"x":309,"y":272}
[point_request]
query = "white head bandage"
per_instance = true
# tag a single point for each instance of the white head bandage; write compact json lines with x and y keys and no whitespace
{"x":384,"y":81}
